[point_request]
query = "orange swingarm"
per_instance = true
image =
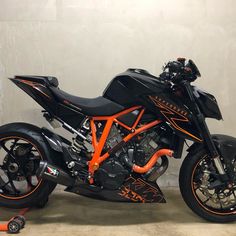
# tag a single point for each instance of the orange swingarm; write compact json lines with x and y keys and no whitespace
{"x":99,"y":145}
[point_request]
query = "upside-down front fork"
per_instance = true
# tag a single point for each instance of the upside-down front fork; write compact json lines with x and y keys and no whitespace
{"x":212,"y":149}
{"x":206,"y":134}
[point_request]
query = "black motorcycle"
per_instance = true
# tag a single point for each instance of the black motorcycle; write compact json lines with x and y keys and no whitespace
{"x":122,"y":142}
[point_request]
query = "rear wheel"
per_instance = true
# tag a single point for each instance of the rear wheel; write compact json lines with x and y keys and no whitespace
{"x":203,"y":191}
{"x":22,"y":148}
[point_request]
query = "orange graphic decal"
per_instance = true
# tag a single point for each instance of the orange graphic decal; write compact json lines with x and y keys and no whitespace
{"x":138,"y":190}
{"x":36,"y":86}
{"x":173,"y":114}
{"x":129,"y":194}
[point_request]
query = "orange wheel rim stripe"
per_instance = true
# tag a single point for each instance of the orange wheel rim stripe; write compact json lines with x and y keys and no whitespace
{"x":39,"y":183}
{"x":199,"y":202}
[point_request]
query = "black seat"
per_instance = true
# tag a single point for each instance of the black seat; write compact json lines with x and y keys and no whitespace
{"x":99,"y":106}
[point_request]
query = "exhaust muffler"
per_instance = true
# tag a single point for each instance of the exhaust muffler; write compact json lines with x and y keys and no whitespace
{"x":54,"y":174}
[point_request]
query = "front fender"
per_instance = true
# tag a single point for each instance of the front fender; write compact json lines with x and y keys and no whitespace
{"x":226,"y":146}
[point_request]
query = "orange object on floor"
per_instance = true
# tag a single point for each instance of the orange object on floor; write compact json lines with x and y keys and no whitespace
{"x":15,"y":224}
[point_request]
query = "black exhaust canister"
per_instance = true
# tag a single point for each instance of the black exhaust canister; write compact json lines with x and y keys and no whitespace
{"x":54,"y":174}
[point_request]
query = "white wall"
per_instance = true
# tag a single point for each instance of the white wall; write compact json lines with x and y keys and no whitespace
{"x":86,"y":42}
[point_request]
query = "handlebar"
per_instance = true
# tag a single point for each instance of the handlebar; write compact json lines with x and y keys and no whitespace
{"x":179,"y":70}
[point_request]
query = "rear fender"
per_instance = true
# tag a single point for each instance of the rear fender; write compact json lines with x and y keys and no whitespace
{"x":59,"y":145}
{"x":54,"y":140}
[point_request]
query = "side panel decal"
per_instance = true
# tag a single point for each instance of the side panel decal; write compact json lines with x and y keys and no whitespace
{"x":173,"y":114}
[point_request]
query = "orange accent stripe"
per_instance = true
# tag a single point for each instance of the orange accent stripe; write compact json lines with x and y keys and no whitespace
{"x":34,"y":85}
{"x":46,"y":95}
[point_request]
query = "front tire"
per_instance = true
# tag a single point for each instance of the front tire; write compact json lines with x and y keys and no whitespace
{"x":24,"y":133}
{"x":187,"y":189}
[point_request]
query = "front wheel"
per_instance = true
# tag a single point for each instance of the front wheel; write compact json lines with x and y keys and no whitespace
{"x":203,"y":191}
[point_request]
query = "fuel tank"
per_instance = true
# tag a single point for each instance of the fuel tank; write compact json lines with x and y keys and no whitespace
{"x":128,"y":87}
{"x":138,"y":87}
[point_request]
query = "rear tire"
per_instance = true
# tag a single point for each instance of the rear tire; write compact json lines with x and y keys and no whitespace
{"x":33,"y":135}
{"x":185,"y":183}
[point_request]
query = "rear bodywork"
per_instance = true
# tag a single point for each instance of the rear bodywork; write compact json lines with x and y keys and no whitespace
{"x":39,"y":88}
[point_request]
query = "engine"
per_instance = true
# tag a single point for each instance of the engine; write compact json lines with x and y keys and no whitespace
{"x":113,"y":172}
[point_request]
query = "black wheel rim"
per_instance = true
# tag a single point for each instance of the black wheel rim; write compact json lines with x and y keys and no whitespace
{"x":220,"y":200}
{"x":19,"y":160}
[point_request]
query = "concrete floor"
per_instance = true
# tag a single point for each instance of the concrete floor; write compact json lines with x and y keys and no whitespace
{"x":69,"y":214}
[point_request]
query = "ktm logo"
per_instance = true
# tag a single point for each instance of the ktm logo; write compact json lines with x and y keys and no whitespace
{"x":130,"y":194}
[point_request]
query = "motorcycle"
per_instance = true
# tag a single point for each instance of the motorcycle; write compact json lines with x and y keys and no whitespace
{"x":121,"y":143}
